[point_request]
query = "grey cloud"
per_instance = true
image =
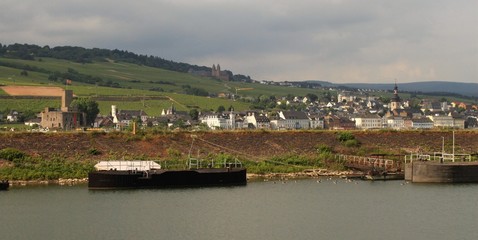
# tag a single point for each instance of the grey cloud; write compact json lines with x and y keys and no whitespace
{"x":335,"y":40}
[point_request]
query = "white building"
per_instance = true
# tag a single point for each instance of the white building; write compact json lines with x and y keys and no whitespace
{"x":293,"y":120}
{"x":256,"y":120}
{"x":419,"y":123}
{"x":395,"y":122}
{"x":368,"y":121}
{"x":442,"y":121}
{"x":445,"y":121}
{"x":316,"y":122}
{"x":219,"y":121}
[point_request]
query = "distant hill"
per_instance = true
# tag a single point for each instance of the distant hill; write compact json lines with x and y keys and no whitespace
{"x":437,"y":87}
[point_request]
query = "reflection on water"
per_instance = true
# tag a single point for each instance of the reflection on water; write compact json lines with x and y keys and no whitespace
{"x":294,"y":209}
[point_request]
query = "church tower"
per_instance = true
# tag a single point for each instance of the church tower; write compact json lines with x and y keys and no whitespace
{"x":215,"y":71}
{"x":395,"y":101}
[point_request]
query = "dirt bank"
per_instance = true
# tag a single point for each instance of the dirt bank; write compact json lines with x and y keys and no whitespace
{"x":252,"y":145}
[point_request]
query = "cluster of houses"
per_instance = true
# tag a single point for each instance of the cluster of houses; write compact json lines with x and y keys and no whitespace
{"x":349,"y":111}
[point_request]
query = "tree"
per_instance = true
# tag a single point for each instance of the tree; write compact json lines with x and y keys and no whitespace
{"x":221,"y":109}
{"x":312,"y":97}
{"x":194,"y":113}
{"x":88,"y":107}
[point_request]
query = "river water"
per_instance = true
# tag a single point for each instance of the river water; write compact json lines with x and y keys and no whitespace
{"x":296,"y":209}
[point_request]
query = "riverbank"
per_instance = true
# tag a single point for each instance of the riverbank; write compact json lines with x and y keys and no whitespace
{"x":61,"y":181}
{"x":29,"y":156}
{"x":309,"y":173}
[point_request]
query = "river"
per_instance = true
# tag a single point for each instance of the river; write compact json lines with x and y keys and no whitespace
{"x":296,"y":209}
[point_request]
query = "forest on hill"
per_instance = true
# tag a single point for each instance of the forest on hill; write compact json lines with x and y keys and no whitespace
{"x":86,"y":55}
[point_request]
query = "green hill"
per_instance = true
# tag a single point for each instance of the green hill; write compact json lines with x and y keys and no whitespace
{"x":128,"y":80}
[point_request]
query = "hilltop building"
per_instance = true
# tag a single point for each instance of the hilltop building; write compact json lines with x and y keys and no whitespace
{"x":217,"y":73}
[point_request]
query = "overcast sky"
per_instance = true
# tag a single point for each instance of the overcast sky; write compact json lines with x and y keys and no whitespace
{"x":340,"y":41}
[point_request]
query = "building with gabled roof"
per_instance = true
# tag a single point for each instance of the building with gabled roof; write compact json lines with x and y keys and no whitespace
{"x":123,"y":118}
{"x":256,"y":120}
{"x":293,"y":120}
{"x":338,"y":123}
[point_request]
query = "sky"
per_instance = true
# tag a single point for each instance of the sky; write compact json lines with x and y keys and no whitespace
{"x":341,"y":41}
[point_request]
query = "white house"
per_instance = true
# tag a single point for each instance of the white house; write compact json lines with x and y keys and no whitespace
{"x":126,"y":117}
{"x":255,"y":120}
{"x":293,"y":120}
{"x":219,"y":121}
{"x":368,"y":121}
{"x":395,"y":122}
{"x":346,"y":96}
{"x":316,"y":122}
{"x":13,"y":116}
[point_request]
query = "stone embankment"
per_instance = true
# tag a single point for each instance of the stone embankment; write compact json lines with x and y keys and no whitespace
{"x":309,"y":173}
{"x":61,"y":181}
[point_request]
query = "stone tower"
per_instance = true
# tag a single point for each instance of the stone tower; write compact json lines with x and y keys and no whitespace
{"x":66,"y":100}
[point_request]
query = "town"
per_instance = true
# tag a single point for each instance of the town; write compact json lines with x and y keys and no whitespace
{"x":346,"y":111}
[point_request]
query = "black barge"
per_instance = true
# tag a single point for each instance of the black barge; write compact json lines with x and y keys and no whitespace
{"x":4,"y":185}
{"x":147,"y":174}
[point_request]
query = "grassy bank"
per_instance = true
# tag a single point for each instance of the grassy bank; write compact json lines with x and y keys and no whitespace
{"x":18,"y":166}
{"x":50,"y":156}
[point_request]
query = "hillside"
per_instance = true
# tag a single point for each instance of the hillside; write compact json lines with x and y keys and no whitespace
{"x":131,"y":81}
{"x":128,"y":79}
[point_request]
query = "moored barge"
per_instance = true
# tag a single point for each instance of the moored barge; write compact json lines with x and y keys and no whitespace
{"x":148,"y":174}
{"x":4,"y":185}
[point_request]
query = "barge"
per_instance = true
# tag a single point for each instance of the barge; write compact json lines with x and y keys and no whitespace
{"x":4,"y":185}
{"x":148,"y":174}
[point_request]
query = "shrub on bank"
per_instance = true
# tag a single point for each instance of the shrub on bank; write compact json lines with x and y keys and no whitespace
{"x":11,"y":154}
{"x":40,"y":169}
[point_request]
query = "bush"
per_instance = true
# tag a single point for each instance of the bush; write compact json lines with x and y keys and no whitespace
{"x":348,"y":139}
{"x":322,"y":148}
{"x":42,"y":169}
{"x":94,"y":151}
{"x":345,"y":136}
{"x":11,"y":154}
{"x":173,"y":153}
{"x":352,"y":143}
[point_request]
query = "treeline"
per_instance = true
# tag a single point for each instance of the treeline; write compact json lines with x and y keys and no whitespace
{"x":85,"y":55}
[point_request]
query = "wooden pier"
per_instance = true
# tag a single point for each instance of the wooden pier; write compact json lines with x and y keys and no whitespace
{"x":374,"y":168}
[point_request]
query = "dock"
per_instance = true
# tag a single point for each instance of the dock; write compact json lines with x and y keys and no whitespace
{"x":441,"y":168}
{"x":374,"y":168}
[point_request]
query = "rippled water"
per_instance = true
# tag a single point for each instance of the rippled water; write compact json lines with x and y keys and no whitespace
{"x":302,"y":209}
